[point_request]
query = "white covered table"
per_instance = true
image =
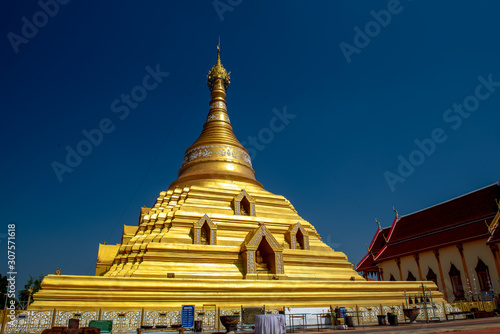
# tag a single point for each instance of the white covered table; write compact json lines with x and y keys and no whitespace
{"x":270,"y":324}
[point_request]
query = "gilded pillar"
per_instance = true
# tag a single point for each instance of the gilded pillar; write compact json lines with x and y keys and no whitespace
{"x":280,"y":270}
{"x":249,"y":262}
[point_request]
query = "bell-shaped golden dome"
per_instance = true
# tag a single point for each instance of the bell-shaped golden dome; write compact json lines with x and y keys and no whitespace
{"x":217,"y":156}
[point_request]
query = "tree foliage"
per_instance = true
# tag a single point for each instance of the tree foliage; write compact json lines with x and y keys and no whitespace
{"x":35,"y":285}
{"x":3,"y":289}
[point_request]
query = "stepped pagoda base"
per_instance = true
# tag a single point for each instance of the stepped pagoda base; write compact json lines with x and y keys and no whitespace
{"x":91,"y":292}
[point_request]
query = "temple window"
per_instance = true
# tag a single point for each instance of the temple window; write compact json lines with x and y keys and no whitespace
{"x":456,"y":283}
{"x":244,"y":204}
{"x":431,"y":276}
{"x":410,"y":276}
{"x":483,"y":275}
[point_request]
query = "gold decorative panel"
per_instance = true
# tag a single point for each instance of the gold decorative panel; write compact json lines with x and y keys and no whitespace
{"x":123,"y":321}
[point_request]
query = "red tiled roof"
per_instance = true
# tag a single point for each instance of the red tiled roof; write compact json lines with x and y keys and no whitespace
{"x":458,"y":220}
{"x":378,"y":241}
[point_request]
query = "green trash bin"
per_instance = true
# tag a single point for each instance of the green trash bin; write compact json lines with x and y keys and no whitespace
{"x":106,"y":326}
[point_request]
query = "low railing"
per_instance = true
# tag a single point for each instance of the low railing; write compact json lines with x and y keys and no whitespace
{"x":130,"y":320}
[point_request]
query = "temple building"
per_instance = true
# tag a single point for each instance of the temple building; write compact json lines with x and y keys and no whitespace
{"x":454,"y":244}
{"x":217,"y":236}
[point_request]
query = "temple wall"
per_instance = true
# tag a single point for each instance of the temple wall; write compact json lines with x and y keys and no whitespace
{"x":473,"y":251}
{"x":390,"y":267}
{"x":408,"y":264}
{"x":428,"y":260}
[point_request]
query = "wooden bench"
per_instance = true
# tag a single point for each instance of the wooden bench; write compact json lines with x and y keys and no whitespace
{"x":146,"y":329}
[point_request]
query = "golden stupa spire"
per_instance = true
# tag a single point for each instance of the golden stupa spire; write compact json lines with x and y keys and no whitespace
{"x":218,"y":72}
{"x":216,"y":154}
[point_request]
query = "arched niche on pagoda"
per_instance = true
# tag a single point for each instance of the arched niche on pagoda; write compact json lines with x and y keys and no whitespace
{"x":297,"y":237}
{"x":262,"y":254}
{"x":205,"y":232}
{"x":244,"y":204}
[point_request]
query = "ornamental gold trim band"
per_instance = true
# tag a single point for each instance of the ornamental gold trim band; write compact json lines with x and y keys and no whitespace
{"x":223,"y":151}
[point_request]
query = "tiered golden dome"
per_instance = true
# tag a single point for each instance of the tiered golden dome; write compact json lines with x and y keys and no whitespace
{"x":217,"y":156}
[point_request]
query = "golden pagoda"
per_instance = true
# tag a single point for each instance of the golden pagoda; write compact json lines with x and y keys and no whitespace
{"x":216,"y":236}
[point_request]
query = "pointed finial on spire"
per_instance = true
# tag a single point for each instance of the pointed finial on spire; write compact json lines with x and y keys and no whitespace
{"x":218,"y":72}
{"x":379,"y":227}
{"x":218,"y":51}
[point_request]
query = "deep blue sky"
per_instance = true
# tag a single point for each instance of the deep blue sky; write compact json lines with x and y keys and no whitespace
{"x":352,"y":120}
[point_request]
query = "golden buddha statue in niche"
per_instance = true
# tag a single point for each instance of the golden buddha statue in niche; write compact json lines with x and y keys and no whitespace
{"x":204,"y":236}
{"x":260,"y":264}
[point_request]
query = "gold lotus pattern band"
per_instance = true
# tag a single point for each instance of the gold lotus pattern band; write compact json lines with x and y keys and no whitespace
{"x":218,"y":104}
{"x":218,"y":116}
{"x":216,"y":151}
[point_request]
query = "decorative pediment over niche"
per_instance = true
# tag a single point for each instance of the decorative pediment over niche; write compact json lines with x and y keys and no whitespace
{"x":205,"y":232}
{"x":254,"y":238}
{"x":262,"y":254}
{"x":297,"y":237}
{"x":244,"y":204}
